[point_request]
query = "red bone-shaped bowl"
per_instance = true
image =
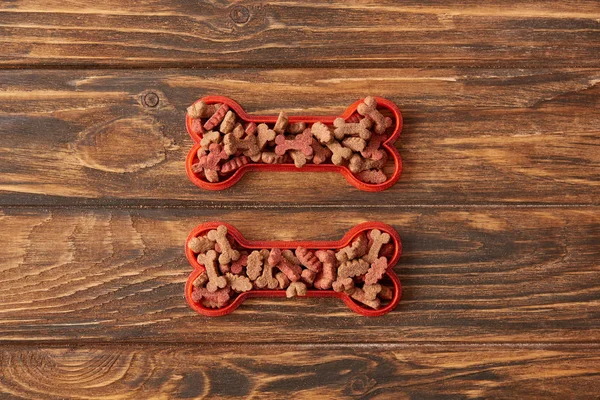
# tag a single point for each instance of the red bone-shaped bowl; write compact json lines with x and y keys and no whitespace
{"x":388,"y":146}
{"x":203,"y":229}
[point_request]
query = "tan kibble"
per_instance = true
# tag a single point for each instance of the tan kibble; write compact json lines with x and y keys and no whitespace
{"x":201,"y":244}
{"x":228,"y":122}
{"x":296,"y":289}
{"x":353,"y":268}
{"x":354,"y":143}
{"x":238,"y":283}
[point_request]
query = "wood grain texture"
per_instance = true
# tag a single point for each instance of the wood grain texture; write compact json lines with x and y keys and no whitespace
{"x":471,"y":136}
{"x":508,"y":275}
{"x":174,"y":33}
{"x":278,"y":371}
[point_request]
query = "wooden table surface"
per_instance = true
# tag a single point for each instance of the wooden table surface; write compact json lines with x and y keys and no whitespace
{"x":498,"y":205}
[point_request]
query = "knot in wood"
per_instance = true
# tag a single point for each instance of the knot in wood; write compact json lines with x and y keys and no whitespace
{"x":239,"y":14}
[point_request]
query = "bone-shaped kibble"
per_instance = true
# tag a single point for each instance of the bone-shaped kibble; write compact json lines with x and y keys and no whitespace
{"x":361,"y":129}
{"x":238,"y":283}
{"x":299,"y":158}
{"x":201,"y":244}
{"x":208,"y":138}
{"x":357,"y":248}
{"x":233,"y":164}
{"x":216,"y":299}
{"x":374,"y":176}
{"x":238,"y":266}
{"x":248,"y":145}
{"x":308,"y":259}
{"x":320,"y":153}
{"x":340,"y":153}
{"x":256,"y":260}
{"x":345,"y":285}
{"x":296,"y":128}
{"x":354,"y":143}
{"x":358,"y":164}
{"x":202,"y":110}
{"x":228,"y":254}
{"x":376,"y":271}
{"x":238,"y":130}
{"x":264,"y":135}
{"x":352,"y":268}
{"x":378,"y":239}
{"x":369,"y":108}
{"x":291,"y":270}
{"x":365,"y":298}
{"x":215,"y":281}
{"x":283,"y":280}
{"x":300,"y":142}
{"x":266,"y":280}
{"x":322,"y":132}
{"x":216,"y":118}
{"x":372,"y":150}
{"x":201,"y":280}
{"x":228,"y":122}
{"x":296,"y":289}
{"x":328,"y":274}
{"x":281,"y":124}
{"x":271,"y":158}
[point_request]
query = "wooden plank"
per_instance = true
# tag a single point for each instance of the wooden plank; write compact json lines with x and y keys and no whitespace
{"x":276,"y":371}
{"x":168,"y":33}
{"x":470,"y":275}
{"x":471,"y":136}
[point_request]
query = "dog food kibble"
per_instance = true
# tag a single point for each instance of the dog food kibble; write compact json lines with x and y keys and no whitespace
{"x":358,"y":270}
{"x":228,"y":143}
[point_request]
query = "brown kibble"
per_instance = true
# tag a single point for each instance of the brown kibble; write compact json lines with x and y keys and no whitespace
{"x":267,"y":280}
{"x":238,"y":283}
{"x":269,"y":157}
{"x":228,"y":254}
{"x":353,"y":268}
{"x":283,"y":280}
{"x":238,"y":130}
{"x":265,"y":135}
{"x":208,"y":138}
{"x":378,"y":239}
{"x":281,"y":124}
{"x":376,"y":271}
{"x":202,"y":110}
{"x":290,"y":256}
{"x":256,"y":261}
{"x":354,"y":143}
{"x":208,"y":260}
{"x":361,"y":296}
{"x":328,"y":274}
{"x":201,"y":280}
{"x":357,"y":248}
{"x":322,"y":132}
{"x":369,"y":108}
{"x":296,"y":289}
{"x":373,"y":176}
{"x":298,"y":157}
{"x":296,"y":128}
{"x":320,"y":153}
{"x":371,"y":291}
{"x":228,"y":122}
{"x":345,"y":285}
{"x":361,"y":129}
{"x":201,"y":244}
{"x":249,"y":146}
{"x":358,"y":164}
{"x":340,"y":153}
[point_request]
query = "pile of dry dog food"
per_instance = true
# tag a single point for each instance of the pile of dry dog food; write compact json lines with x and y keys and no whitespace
{"x":227,"y":143}
{"x":356,"y":269}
